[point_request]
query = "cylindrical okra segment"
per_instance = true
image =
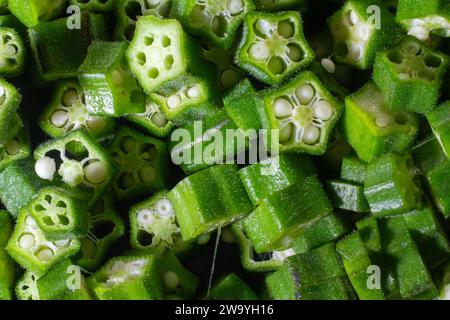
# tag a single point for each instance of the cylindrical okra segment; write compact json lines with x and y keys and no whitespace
{"x":33,"y":12}
{"x":232,"y":287}
{"x":12,"y":53}
{"x":347,"y":196}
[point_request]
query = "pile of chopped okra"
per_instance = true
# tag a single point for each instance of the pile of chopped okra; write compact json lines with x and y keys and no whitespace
{"x":127,"y":149}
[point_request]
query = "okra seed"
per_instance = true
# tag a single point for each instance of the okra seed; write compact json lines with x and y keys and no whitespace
{"x":305,"y":94}
{"x":27,"y":241}
{"x":45,"y":168}
{"x":96,"y":123}
{"x":117,"y":77}
{"x":259,"y":51}
{"x":171,"y":280}
{"x":285,"y":132}
{"x":10,"y":50}
{"x":282,"y":108}
{"x":13,"y":147}
{"x":382,"y":120}
{"x":286,"y":29}
{"x":70,"y":98}
{"x":227,"y":236}
{"x":59,"y":118}
{"x":356,"y":52}
{"x":311,"y":134}
{"x":62,"y":243}
{"x":95,"y":172}
{"x":263,"y":27}
{"x":45,"y":254}
{"x":29,"y":221}
{"x":164,"y":208}
{"x":153,"y":2}
{"x":193,"y":93}
{"x":363,"y":32}
{"x":147,"y":174}
{"x":159,"y":120}
{"x":276,"y":65}
{"x":323,"y":110}
{"x":145,"y":217}
{"x":412,"y":48}
{"x":128,"y":145}
{"x":329,"y":65}
{"x":235,"y":6}
{"x":294,"y":53}
{"x":204,"y":239}
{"x":229,"y":78}
{"x":174,"y":101}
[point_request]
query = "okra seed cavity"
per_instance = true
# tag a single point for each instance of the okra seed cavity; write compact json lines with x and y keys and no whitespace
{"x":282,"y":108}
{"x":305,"y":94}
{"x":45,"y":168}
{"x":171,"y":280}
{"x":259,"y":51}
{"x":286,"y":29}
{"x":128,"y":145}
{"x":13,"y":147}
{"x":27,"y":241}
{"x":145,"y":217}
{"x":174,"y":101}
{"x":294,"y":53}
{"x":159,"y":120}
{"x":164,"y":208}
{"x":285,"y":132}
{"x":29,"y":221}
{"x":45,"y":254}
{"x":382,"y":120}
{"x":323,"y":110}
{"x":235,"y":6}
{"x":193,"y":93}
{"x":59,"y":118}
{"x":263,"y":28}
{"x":10,"y":50}
{"x":95,"y":172}
{"x":311,"y":134}
{"x":147,"y":174}
{"x":276,"y":65}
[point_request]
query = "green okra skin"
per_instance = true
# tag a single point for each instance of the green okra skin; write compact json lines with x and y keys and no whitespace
{"x":14,"y":55}
{"x":209,"y":199}
{"x":353,"y":170}
{"x":94,"y":5}
{"x":215,"y":20}
{"x":282,"y":217}
{"x":19,"y":185}
{"x":276,"y":5}
{"x":7,"y":266}
{"x":232,"y":287}
{"x":347,"y":196}
{"x":391,"y":185}
{"x":335,"y":88}
{"x":67,"y":111}
{"x":410,"y":76}
{"x":53,"y":284}
{"x":54,"y":62}
{"x":422,"y":18}
{"x":305,"y":114}
{"x":268,"y":177}
{"x":273,"y":46}
{"x":29,"y":247}
{"x":371,"y":129}
{"x":439,"y":120}
{"x":105,"y":229}
{"x":4,"y":7}
{"x":10,"y":123}
{"x":359,"y":30}
{"x":11,"y":22}
{"x":26,"y":287}
{"x":142,"y":163}
{"x":6,"y":227}
{"x":314,"y":275}
{"x":133,"y":277}
{"x":33,"y":12}
{"x":16,"y":148}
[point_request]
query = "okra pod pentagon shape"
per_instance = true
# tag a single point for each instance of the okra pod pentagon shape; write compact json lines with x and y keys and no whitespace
{"x":13,"y":53}
{"x":33,"y":12}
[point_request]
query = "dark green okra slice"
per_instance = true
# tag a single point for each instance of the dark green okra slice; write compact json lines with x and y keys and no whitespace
{"x":108,"y":86}
{"x":142,"y":163}
{"x":392,"y":186}
{"x":371,"y":129}
{"x":360,"y":29}
{"x":3,"y":7}
{"x":29,"y":247}
{"x":347,"y":196}
{"x":53,"y":61}
{"x":133,"y":277}
{"x":94,"y":5}
{"x":353,"y":169}
{"x":305,"y":114}
{"x":273,"y":46}
{"x":67,"y":111}
{"x":276,"y":5}
{"x":105,"y":228}
{"x":90,"y":171}
{"x":232,"y":287}
{"x":424,"y":18}
{"x":13,"y":53}
{"x":16,"y":148}
{"x":439,"y":120}
{"x":152,"y":120}
{"x":10,"y":100}
{"x":209,"y":199}
{"x":410,"y":76}
{"x":33,"y":12}
{"x":7,"y":265}
{"x":19,"y":184}
{"x":282,"y":217}
{"x":314,"y":275}
{"x":271,"y":176}
{"x":59,"y":213}
{"x":215,"y":20}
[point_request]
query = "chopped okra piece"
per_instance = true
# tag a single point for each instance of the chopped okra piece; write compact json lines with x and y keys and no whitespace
{"x":359,"y":32}
{"x":26,"y":287}
{"x":10,"y":123}
{"x":142,"y":163}
{"x":7,"y":265}
{"x":283,"y":216}
{"x":59,"y":213}
{"x":371,"y":129}
{"x":152,"y":120}
{"x":67,"y":111}
{"x":90,"y":171}
{"x":134,"y":277}
{"x":94,"y":5}
{"x":410,"y":76}
{"x":305,"y":114}
{"x":314,"y":275}
{"x":15,"y":149}
{"x":12,"y":53}
{"x":53,"y":61}
{"x":271,"y":176}
{"x":423,"y":18}
{"x":33,"y":251}
{"x":274,"y":5}
{"x":392,"y":186}
{"x":232,"y":287}
{"x":347,"y":196}
{"x":209,"y":199}
{"x":19,"y":184}
{"x":439,"y":120}
{"x":214,"y":20}
{"x":353,"y":170}
{"x":324,"y":72}
{"x":108,"y":86}
{"x":33,"y":12}
{"x":273,"y":46}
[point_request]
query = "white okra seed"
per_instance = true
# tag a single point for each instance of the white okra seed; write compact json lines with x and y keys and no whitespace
{"x":153,"y":2}
{"x":147,"y":174}
{"x":159,"y":120}
{"x":311,"y":134}
{"x":305,"y":94}
{"x":29,"y":221}
{"x":59,"y":118}
{"x":259,"y":51}
{"x":171,"y":280}
{"x":282,"y":108}
{"x":353,"y":17}
{"x":323,"y":110}
{"x":264,"y":27}
{"x":329,"y":65}
{"x":95,"y":172}
{"x":193,"y":93}
{"x":356,"y":52}
{"x":382,"y":120}
{"x":10,"y":51}
{"x":285,"y":29}
{"x":285,"y":132}
{"x":45,"y":254}
{"x":174,"y":101}
{"x":164,"y":208}
{"x":27,"y":241}
{"x":234,"y":6}
{"x":145,"y":217}
{"x":13,"y":147}
{"x":45,"y":168}
{"x":70,"y":97}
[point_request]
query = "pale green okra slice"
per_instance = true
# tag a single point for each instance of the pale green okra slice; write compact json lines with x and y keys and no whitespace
{"x":12,"y":53}
{"x":16,"y":148}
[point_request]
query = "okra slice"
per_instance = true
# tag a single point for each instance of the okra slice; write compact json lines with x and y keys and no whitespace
{"x":282,"y":217}
{"x":314,"y":275}
{"x":105,"y":228}
{"x":13,"y":53}
{"x":231,"y":287}
{"x":94,"y":5}
{"x":392,"y":185}
{"x":29,"y":247}
{"x":133,"y":277}
{"x":19,"y":184}
{"x":53,"y":61}
{"x":7,"y":266}
{"x":439,"y":120}
{"x":16,"y":148}
{"x":285,"y":170}
{"x":347,"y":196}
{"x":353,"y":169}
{"x":358,"y":32}
{"x":90,"y":171}
{"x":305,"y":114}
{"x":209,"y":199}
{"x":67,"y":111}
{"x":10,"y":123}
{"x":152,"y":120}
{"x":371,"y":129}
{"x":215,"y":20}
{"x":410,"y":76}
{"x":276,"y":5}
{"x":273,"y":46}
{"x":33,"y":12}
{"x":26,"y":287}
{"x":142,"y":163}
{"x":59,"y":213}
{"x":422,"y":18}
